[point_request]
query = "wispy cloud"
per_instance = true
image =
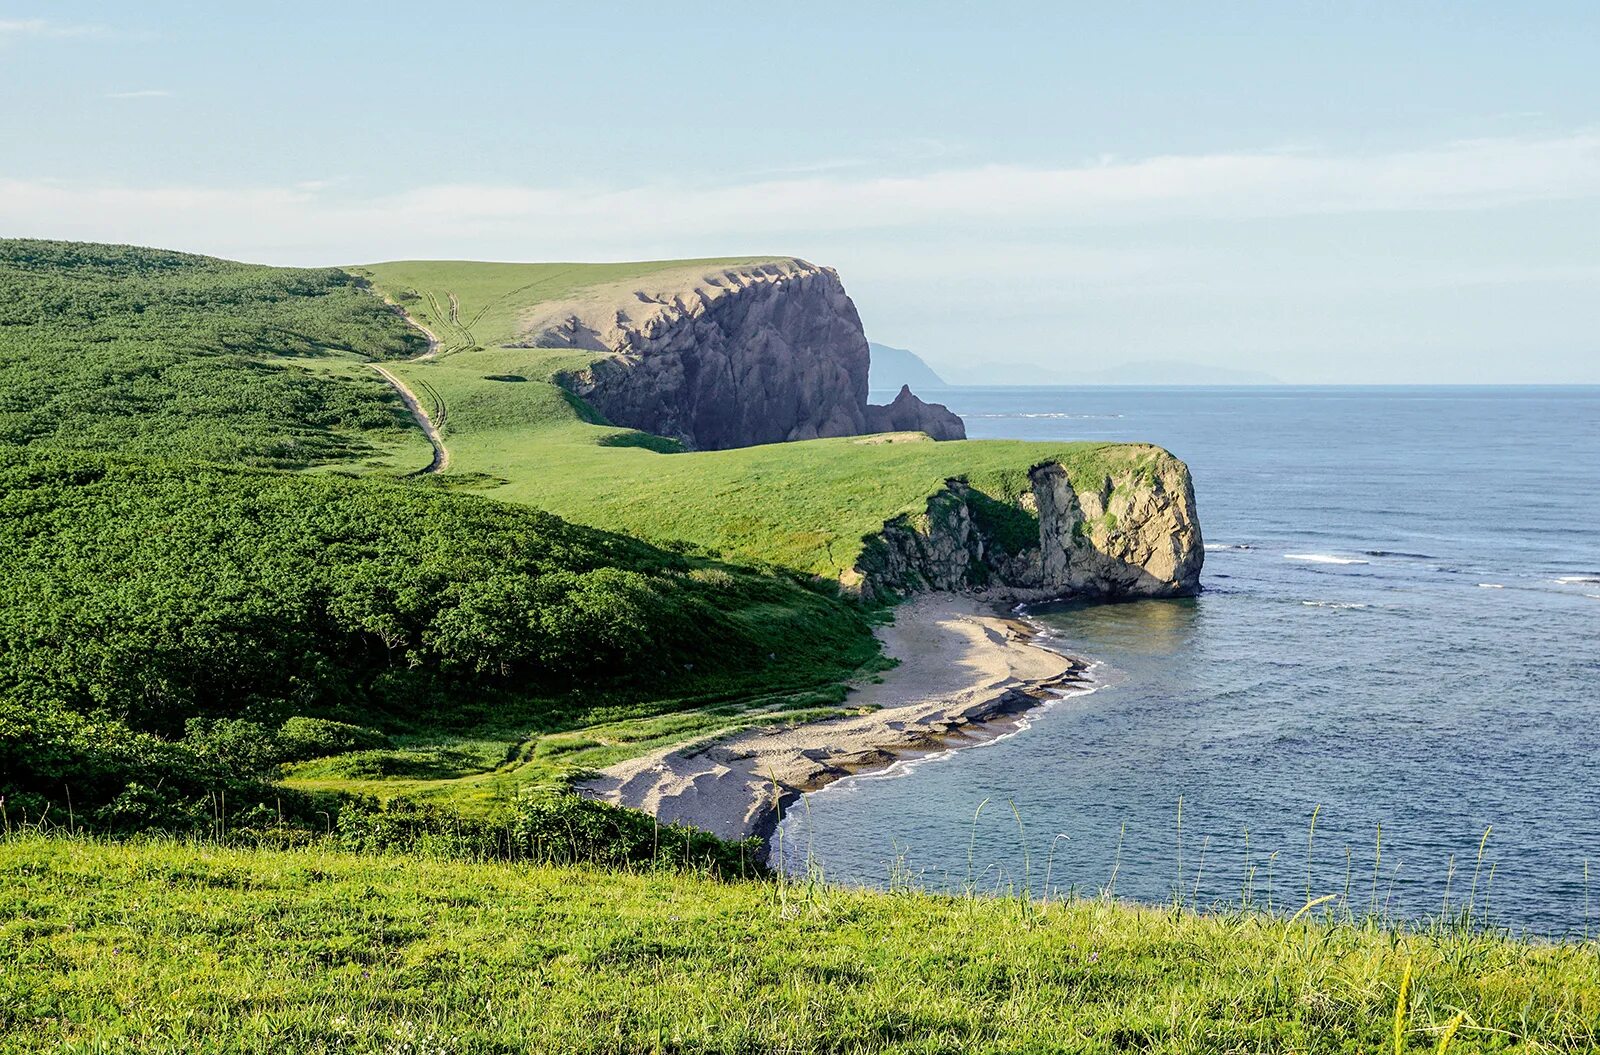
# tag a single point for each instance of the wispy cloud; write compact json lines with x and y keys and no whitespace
{"x":142,"y":93}
{"x":991,"y":202}
{"x":11,"y":28}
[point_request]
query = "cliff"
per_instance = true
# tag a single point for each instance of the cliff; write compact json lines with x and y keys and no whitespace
{"x":729,"y":357}
{"x":1126,"y":534}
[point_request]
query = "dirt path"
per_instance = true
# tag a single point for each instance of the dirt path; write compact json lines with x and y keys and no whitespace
{"x":430,"y":423}
{"x":441,"y":454}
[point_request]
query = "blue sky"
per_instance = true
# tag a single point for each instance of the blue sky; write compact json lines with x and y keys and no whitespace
{"x":1396,"y":192}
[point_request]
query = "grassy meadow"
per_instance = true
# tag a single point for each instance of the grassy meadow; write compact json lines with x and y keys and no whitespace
{"x":188,"y":948}
{"x":480,"y":304}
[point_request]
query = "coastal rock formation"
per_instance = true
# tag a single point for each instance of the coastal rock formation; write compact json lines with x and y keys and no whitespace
{"x":909,"y":414}
{"x":1126,"y":534}
{"x":729,"y":357}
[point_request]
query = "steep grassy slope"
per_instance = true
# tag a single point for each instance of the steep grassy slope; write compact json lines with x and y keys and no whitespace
{"x":148,"y":352}
{"x":173,"y":948}
{"x":515,"y":432}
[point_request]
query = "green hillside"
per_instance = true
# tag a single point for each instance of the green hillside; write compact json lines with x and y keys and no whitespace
{"x":169,"y":948}
{"x":517,"y":435}
{"x":146,"y":352}
{"x":158,"y":595}
{"x":482,"y":646}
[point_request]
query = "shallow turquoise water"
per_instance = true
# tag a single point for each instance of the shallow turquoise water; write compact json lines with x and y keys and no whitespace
{"x":1400,"y":624}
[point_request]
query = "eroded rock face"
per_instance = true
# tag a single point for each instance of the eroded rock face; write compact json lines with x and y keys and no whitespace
{"x":1130,"y":534}
{"x":730,"y":358}
{"x":1133,"y":536}
{"x":909,"y":414}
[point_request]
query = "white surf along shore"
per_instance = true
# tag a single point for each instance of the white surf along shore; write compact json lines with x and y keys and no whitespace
{"x":967,"y":675}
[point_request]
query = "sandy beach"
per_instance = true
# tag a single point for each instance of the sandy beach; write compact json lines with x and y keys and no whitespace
{"x":966,"y":673}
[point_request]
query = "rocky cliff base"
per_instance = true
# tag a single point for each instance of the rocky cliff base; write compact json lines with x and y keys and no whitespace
{"x":1126,"y":534}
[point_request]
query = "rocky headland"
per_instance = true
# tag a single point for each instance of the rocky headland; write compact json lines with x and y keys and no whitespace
{"x":729,"y":357}
{"x":1116,"y":536}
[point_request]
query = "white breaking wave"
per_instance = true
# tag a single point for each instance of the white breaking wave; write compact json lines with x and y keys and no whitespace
{"x":1323,"y":558}
{"x":1332,"y":604}
{"x":1572,"y":580}
{"x":1492,"y":585}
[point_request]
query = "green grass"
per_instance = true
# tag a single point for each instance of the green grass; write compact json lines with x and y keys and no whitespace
{"x":805,"y":506}
{"x":477,"y":303}
{"x":185,"y":948}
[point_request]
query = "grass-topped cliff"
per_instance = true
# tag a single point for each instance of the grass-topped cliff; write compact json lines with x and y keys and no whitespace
{"x":518,"y":433}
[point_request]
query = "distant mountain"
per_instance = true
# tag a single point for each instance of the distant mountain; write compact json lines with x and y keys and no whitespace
{"x":1150,"y":372}
{"x":893,"y":367}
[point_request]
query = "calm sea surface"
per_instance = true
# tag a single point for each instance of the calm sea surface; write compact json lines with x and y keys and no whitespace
{"x":1400,"y":624}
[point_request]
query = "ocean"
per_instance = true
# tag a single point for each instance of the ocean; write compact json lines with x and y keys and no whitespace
{"x":1394,"y":662}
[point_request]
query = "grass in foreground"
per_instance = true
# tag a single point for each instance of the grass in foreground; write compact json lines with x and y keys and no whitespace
{"x":165,"y":947}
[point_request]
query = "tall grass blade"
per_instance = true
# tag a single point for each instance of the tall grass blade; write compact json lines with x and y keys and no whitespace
{"x":1400,"y":1010}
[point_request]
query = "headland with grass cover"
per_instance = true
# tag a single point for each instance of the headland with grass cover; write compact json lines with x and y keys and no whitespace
{"x":873,"y":511}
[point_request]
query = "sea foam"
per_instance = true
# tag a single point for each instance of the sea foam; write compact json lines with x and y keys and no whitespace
{"x":1323,"y":558}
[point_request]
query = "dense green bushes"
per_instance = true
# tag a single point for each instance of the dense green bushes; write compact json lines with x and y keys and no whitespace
{"x":64,"y":769}
{"x":225,"y":608}
{"x":159,"y":593}
{"x":148,"y":352}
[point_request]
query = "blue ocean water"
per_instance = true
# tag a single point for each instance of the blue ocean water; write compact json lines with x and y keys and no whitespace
{"x":1399,"y":627}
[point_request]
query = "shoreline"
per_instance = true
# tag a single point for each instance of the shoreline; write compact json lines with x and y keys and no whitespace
{"x":967,"y":675}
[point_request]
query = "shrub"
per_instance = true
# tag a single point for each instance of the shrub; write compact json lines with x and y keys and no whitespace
{"x":301,"y":738}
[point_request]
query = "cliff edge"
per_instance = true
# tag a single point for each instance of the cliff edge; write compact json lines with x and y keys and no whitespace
{"x":729,"y":356}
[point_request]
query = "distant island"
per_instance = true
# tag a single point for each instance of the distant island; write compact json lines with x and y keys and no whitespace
{"x":893,"y":367}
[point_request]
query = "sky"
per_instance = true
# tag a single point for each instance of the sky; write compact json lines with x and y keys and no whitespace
{"x":1396,"y":192}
